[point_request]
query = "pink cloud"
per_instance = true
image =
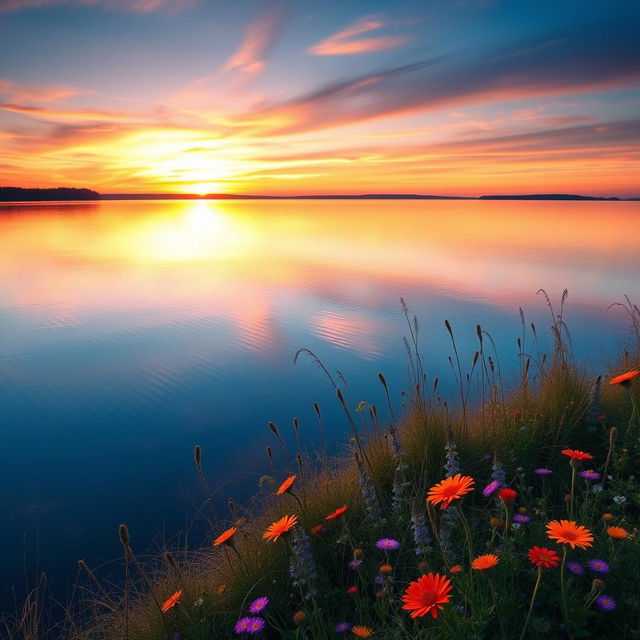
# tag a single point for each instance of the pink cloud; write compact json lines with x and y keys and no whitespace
{"x":15,"y":92}
{"x":260,"y":36}
{"x":134,"y":6}
{"x":343,"y":42}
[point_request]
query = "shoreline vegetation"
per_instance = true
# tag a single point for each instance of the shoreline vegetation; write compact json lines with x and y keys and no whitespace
{"x":63,"y":194}
{"x":511,"y":511}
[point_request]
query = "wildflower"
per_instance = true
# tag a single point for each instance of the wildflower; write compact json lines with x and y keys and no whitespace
{"x":543,"y":471}
{"x":318,"y":530}
{"x":371,"y":501}
{"x":507,"y":495}
{"x":619,"y":499}
{"x":354,"y":564}
{"x":280,"y":528}
{"x":220,"y":589}
{"x":352,"y":590}
{"x":576,"y":454}
{"x":568,"y":532}
{"x":597,"y":488}
{"x":543,"y":557}
{"x":576,"y":568}
{"x":337,"y":513}
{"x":597,"y":585}
{"x":394,"y":443}
{"x":361,"y":631}
{"x":487,"y":561}
{"x":521,"y":518}
{"x":299,"y":616}
{"x":225,"y":537}
{"x":385,"y":569}
{"x":607,"y":516}
{"x":590,"y":475}
{"x":490,"y":488}
{"x":357,"y":553}
{"x":285,"y":487}
{"x":451,"y":463}
{"x":419,"y":528}
{"x":617,"y":533}
{"x":388,"y":544}
{"x":198,"y":602}
{"x":522,"y":509}
{"x":497,"y":523}
{"x":427,"y":595}
{"x":455,"y":569}
{"x":450,"y":489}
{"x":498,"y":473}
{"x":302,"y":566}
{"x":249,"y":624}
{"x":625,"y":379}
{"x":599,"y":566}
{"x":172,"y":601}
{"x":606,"y":603}
{"x":342,"y":627}
{"x":259,"y":605}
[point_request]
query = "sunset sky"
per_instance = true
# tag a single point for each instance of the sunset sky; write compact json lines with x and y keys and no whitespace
{"x":277,"y":97}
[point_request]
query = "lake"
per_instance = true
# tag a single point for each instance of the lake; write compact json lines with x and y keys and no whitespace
{"x":132,"y":330}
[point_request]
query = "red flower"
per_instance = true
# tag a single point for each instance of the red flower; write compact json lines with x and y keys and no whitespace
{"x":507,"y":495}
{"x":625,"y":379}
{"x":337,"y":513}
{"x":576,"y":454}
{"x":352,"y":590}
{"x":543,"y":557}
{"x":427,"y":595}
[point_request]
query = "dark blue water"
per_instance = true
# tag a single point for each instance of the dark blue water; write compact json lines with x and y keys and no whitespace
{"x":131,"y":331}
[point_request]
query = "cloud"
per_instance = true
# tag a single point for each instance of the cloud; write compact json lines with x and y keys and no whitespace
{"x":343,"y":42}
{"x":260,"y":37}
{"x":133,"y":6}
{"x":604,"y":56}
{"x":15,"y":92}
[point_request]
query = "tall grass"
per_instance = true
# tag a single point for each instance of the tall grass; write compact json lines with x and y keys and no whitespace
{"x":383,"y":475}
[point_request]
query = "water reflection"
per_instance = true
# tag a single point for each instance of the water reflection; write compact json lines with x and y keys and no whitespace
{"x":132,"y":330}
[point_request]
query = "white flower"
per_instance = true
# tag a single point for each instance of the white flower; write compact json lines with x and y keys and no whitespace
{"x":596,"y":488}
{"x":619,"y":499}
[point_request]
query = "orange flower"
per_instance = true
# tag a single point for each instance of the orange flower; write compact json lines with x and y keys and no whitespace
{"x":427,"y":595}
{"x":385,"y":568}
{"x":172,"y":601}
{"x":487,"y":561}
{"x":280,"y":528}
{"x":576,"y":454}
{"x":457,"y":568}
{"x":362,"y":632}
{"x":286,"y":485}
{"x":617,"y":533}
{"x":450,"y":489}
{"x":568,"y":532}
{"x":225,"y":537}
{"x":337,"y":513}
{"x":625,"y":379}
{"x":543,"y":557}
{"x":607,"y":516}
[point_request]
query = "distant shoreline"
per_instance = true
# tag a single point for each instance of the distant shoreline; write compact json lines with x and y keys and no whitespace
{"x":64,"y":194}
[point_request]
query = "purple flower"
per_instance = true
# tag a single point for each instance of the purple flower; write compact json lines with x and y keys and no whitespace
{"x":599,"y":566}
{"x":576,"y":568}
{"x":606,"y":603}
{"x":354,"y":564}
{"x":259,"y":605}
{"x":590,"y":475}
{"x":490,"y":488}
{"x":521,"y":518}
{"x":388,"y":544}
{"x":342,"y":627}
{"x":249,"y":625}
{"x":543,"y":471}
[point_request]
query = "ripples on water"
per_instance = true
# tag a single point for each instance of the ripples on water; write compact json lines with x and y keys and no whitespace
{"x":131,"y":331}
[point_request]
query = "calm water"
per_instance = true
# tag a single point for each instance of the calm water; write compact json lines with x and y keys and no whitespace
{"x":130,"y":331}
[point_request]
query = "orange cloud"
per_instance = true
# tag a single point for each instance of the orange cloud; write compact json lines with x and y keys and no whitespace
{"x":260,"y":36}
{"x":16,"y":92}
{"x":343,"y":43}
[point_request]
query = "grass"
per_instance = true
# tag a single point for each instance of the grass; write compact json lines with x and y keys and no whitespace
{"x":330,"y":571}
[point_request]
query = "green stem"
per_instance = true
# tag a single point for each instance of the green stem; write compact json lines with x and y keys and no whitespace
{"x":507,"y":519}
{"x":563,"y":589}
{"x":467,"y":532}
{"x":573,"y":486}
{"x":634,"y":411}
{"x":533,"y":597}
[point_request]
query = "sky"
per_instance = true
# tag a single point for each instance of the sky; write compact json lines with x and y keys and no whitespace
{"x":293,"y":97}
